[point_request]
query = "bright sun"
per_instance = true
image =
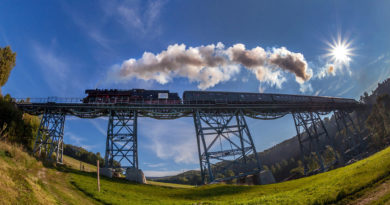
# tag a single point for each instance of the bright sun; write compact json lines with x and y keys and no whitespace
{"x":340,"y":51}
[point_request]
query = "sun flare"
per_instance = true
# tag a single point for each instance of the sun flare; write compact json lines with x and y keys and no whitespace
{"x":340,"y":51}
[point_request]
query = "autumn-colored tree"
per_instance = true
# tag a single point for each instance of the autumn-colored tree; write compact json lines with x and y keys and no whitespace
{"x":7,"y":62}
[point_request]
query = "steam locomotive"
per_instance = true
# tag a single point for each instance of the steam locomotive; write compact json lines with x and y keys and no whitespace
{"x":134,"y":96}
{"x":115,"y":96}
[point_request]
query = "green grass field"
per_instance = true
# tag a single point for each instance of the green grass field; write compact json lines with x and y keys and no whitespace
{"x":328,"y":187}
{"x":164,"y":184}
{"x":23,"y":180}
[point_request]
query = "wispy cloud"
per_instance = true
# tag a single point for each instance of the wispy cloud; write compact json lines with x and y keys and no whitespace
{"x":78,"y":141}
{"x":136,"y":17}
{"x":98,"y":126}
{"x":383,"y":63}
{"x":318,"y":92}
{"x":55,"y":69}
{"x":378,"y":59}
{"x":93,"y":30}
{"x":171,"y":140}
{"x":151,"y":165}
{"x":343,"y":92}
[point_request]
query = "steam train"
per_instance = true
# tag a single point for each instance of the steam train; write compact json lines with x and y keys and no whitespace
{"x":135,"y":96}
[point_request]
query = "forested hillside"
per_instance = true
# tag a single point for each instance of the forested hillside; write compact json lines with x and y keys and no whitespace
{"x":83,"y":155}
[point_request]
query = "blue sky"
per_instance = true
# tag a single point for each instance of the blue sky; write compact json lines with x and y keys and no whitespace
{"x":65,"y":47}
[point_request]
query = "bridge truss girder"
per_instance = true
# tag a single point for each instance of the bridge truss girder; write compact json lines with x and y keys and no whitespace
{"x":313,"y":140}
{"x":121,"y":143}
{"x":224,"y":141}
{"x":50,"y":135}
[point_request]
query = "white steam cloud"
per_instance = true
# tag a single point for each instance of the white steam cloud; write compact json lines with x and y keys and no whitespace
{"x":213,"y":64}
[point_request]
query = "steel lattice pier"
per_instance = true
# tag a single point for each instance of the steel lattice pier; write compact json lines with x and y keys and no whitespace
{"x":50,"y":135}
{"x":224,"y":142}
{"x":313,"y":140}
{"x":353,"y":144}
{"x":121,"y":141}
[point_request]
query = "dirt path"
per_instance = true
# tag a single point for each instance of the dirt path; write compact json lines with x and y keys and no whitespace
{"x":373,"y":195}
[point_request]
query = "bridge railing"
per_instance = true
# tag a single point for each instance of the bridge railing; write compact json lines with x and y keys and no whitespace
{"x":47,"y":100}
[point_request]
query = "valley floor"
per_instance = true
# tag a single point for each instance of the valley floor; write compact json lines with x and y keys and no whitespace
{"x":24,"y":180}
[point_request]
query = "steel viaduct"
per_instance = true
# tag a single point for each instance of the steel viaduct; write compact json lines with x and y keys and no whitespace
{"x":223,"y":137}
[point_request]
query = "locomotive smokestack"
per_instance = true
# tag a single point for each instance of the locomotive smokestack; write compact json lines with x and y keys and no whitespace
{"x":212,"y":64}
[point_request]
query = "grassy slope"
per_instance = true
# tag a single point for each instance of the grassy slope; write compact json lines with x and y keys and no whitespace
{"x":23,"y":180}
{"x":75,"y":164}
{"x":18,"y":181}
{"x":322,"y":188}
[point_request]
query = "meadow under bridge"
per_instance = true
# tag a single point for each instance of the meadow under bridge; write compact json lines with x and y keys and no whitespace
{"x":223,"y":137}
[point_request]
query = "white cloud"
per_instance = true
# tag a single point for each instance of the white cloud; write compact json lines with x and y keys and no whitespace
{"x":305,"y":88}
{"x":317,"y":92}
{"x":173,"y":140}
{"x":149,"y":173}
{"x":212,"y":64}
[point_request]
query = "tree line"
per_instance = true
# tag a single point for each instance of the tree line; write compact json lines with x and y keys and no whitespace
{"x":15,"y":126}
